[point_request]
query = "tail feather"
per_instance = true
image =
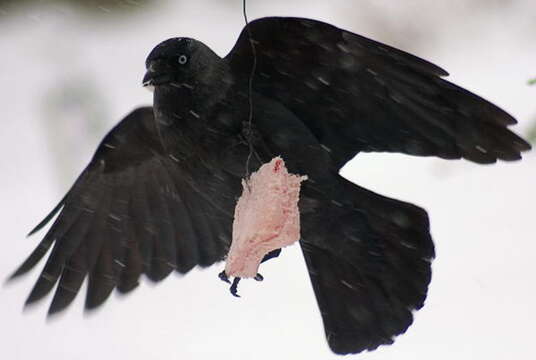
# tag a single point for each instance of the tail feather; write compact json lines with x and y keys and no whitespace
{"x":369,"y":267}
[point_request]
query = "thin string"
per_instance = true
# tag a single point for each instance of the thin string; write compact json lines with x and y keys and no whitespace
{"x":250,"y":87}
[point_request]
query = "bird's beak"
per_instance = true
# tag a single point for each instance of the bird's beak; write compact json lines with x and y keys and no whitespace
{"x":147,"y":81}
{"x":152,"y":79}
{"x":156,"y":75}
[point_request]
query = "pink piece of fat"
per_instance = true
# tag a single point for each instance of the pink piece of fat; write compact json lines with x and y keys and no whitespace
{"x":266,"y":217}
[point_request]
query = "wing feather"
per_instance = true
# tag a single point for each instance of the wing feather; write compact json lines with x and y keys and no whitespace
{"x":356,"y":94}
{"x":132,"y":211}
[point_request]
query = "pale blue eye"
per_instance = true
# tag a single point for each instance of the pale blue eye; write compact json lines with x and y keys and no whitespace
{"x":183,"y":59}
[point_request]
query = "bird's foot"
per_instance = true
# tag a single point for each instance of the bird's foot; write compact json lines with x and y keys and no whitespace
{"x":234,"y":287}
{"x":223,"y":277}
{"x":272,"y":254}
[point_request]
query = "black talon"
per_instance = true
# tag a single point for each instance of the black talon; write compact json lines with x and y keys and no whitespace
{"x":223,"y":277}
{"x":272,"y":254}
{"x":259,"y":277}
{"x":234,"y":287}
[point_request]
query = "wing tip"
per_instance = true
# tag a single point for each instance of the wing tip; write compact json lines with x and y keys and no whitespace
{"x":42,"y":287}
{"x":49,"y":217}
{"x":58,"y":304}
{"x":14,"y":276}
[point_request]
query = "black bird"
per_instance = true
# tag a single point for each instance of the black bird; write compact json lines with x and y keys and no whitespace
{"x":159,"y":193}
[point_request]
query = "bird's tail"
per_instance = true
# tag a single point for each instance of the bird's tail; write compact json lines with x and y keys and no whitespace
{"x":369,"y":262}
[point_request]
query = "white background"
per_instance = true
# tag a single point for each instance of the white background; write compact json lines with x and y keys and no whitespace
{"x":481,"y":303}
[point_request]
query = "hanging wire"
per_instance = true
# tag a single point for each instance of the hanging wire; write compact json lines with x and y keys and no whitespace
{"x":250,"y":87}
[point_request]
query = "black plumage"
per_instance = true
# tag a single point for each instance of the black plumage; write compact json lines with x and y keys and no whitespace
{"x":159,"y":193}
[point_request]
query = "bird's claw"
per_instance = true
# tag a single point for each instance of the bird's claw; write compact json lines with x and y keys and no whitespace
{"x":223,"y":277}
{"x":234,"y":287}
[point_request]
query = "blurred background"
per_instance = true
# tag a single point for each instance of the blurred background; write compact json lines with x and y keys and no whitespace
{"x":71,"y":69}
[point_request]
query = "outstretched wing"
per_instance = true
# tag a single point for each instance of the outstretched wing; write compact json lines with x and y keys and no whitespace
{"x":133,"y":210}
{"x":356,"y":94}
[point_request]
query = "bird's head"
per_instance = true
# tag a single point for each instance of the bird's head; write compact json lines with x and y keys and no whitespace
{"x":176,"y":61}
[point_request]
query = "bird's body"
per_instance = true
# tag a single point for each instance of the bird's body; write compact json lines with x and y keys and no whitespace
{"x":160,"y":192}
